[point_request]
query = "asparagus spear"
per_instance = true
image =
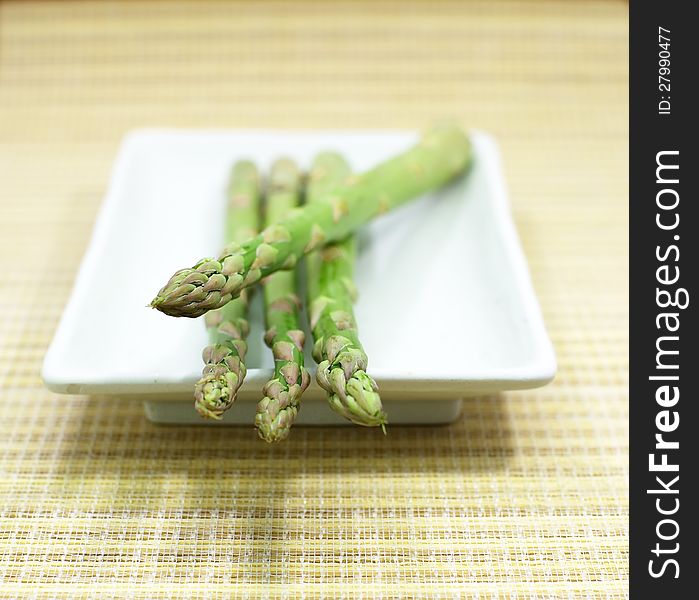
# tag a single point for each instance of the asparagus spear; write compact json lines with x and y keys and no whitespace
{"x":442,"y":153}
{"x":277,"y":411}
{"x":341,"y":359}
{"x":228,"y":327}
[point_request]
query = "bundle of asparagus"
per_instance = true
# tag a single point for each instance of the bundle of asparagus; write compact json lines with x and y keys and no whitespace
{"x":337,"y":205}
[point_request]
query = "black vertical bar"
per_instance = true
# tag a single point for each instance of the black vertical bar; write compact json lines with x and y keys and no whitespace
{"x":664,"y":357}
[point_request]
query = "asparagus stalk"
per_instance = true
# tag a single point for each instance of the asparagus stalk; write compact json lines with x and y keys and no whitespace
{"x":442,"y":153}
{"x":228,"y":327}
{"x":341,"y":359}
{"x":277,"y":411}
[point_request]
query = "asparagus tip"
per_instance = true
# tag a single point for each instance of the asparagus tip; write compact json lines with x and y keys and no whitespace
{"x":213,"y":395}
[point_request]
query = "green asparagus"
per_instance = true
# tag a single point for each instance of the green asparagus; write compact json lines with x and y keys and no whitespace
{"x":277,"y":411}
{"x":228,"y":327}
{"x":442,"y":153}
{"x":341,"y":359}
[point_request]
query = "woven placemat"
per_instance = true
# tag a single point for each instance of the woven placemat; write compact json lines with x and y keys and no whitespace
{"x":525,"y":496}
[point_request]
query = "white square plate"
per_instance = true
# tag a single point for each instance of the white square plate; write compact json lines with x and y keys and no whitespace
{"x":446,"y":308}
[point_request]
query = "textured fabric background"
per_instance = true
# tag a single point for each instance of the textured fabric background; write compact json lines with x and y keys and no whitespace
{"x":524,"y":497}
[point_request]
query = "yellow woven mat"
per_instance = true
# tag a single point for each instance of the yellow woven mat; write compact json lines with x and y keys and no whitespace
{"x":524,"y":497}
